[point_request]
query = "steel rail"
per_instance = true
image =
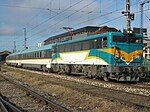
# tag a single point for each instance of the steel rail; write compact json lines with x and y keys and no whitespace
{"x":4,"y":102}
{"x":2,"y":106}
{"x":37,"y":95}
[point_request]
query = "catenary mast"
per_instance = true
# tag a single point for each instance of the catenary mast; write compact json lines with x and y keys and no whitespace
{"x":129,"y":16}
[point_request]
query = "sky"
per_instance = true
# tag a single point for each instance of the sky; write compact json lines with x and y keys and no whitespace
{"x":45,"y":18}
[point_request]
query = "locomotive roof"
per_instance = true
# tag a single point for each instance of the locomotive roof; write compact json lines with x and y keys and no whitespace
{"x":98,"y":36}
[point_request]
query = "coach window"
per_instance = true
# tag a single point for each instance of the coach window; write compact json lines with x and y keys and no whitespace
{"x":58,"y":48}
{"x":35,"y":55}
{"x":68,"y":48}
{"x":40,"y":55}
{"x":62,"y":48}
{"x":50,"y":54}
{"x":31,"y":55}
{"x":27,"y":55}
{"x":45,"y":53}
{"x":104,"y":42}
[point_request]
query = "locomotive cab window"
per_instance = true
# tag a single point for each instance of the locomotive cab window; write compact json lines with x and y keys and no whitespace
{"x":127,"y":39}
{"x":120,"y":39}
{"x":135,"y":40}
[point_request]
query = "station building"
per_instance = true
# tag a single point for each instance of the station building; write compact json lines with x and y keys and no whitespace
{"x":79,"y":33}
{"x":3,"y":55}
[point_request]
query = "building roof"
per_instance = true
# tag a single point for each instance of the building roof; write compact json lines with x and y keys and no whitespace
{"x":5,"y":52}
{"x":84,"y":29}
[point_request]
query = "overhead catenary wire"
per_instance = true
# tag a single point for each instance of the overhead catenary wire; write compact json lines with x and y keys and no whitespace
{"x":74,"y":10}
{"x":62,"y":12}
{"x":104,"y":15}
{"x":70,"y":16}
{"x":62,"y":19}
{"x":116,"y":18}
{"x":56,"y":15}
{"x":26,"y":7}
{"x":75,"y":13}
{"x":65,"y":18}
{"x":147,"y":17}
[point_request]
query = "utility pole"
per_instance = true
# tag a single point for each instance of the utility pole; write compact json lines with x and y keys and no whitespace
{"x":141,"y":8}
{"x":129,"y":16}
{"x":25,"y":38}
{"x":14,"y":47}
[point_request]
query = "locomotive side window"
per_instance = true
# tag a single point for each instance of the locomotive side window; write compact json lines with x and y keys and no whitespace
{"x":77,"y":46}
{"x":104,"y":42}
{"x":99,"y":45}
{"x":85,"y":45}
{"x":96,"y":43}
{"x":93,"y":44}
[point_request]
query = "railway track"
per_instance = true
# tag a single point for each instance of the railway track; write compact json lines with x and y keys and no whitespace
{"x":143,"y":85}
{"x":124,"y":97}
{"x":26,"y":98}
{"x":127,"y":84}
{"x":7,"y":106}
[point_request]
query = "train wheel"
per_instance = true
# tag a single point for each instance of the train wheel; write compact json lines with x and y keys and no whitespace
{"x":142,"y":75}
{"x":105,"y":77}
{"x":67,"y":69}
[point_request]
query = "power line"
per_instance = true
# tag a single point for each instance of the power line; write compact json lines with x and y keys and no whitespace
{"x":82,"y":22}
{"x":103,"y":15}
{"x":114,"y":18}
{"x":118,"y":18}
{"x":26,"y":7}
{"x":79,"y":11}
{"x":73,"y":14}
{"x":63,"y":18}
{"x":57,"y":14}
{"x":147,"y":17}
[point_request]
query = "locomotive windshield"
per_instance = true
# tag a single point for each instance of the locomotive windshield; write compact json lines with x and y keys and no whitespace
{"x":127,"y":39}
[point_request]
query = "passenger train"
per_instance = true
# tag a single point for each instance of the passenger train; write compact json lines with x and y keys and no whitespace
{"x":111,"y":55}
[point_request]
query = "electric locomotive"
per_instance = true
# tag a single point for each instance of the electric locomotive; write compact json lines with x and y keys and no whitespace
{"x":112,"y":55}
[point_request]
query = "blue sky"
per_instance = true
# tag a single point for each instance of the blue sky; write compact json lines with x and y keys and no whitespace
{"x":44,"y":18}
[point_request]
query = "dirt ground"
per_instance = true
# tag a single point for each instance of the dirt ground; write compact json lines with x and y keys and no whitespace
{"x":69,"y":96}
